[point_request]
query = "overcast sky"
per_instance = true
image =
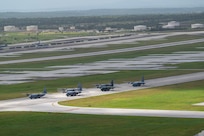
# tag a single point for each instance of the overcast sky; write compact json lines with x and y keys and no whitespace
{"x":52,"y":5}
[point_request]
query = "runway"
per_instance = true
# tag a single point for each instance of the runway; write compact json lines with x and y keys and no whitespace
{"x":105,"y":52}
{"x":148,"y":62}
{"x":49,"y":103}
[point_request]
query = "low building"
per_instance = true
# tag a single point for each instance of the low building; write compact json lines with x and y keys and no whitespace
{"x":168,"y":27}
{"x":32,"y":28}
{"x":109,"y":29}
{"x":174,"y":23}
{"x":72,"y":28}
{"x":10,"y":29}
{"x":195,"y":26}
{"x":140,"y":28}
{"x":171,"y":25}
{"x":61,"y":29}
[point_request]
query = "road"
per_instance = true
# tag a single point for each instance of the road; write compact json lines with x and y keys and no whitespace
{"x":49,"y":103}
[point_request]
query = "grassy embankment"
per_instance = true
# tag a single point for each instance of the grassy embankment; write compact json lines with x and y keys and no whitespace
{"x":23,"y":37}
{"x":52,"y":124}
{"x":173,"y":97}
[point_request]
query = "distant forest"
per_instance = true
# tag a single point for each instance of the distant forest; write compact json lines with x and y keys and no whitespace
{"x":101,"y":22}
{"x":101,"y":12}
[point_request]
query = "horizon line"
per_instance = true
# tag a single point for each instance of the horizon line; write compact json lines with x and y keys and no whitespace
{"x":64,"y":10}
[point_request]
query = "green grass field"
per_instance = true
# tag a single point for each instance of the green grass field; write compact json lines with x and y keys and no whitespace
{"x":173,"y":97}
{"x":108,"y":47}
{"x":22,"y":37}
{"x":54,"y":124}
{"x":190,"y":65}
{"x":91,"y":59}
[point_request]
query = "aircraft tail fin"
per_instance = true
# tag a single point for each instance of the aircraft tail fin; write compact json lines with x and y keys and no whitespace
{"x":97,"y":86}
{"x":112,"y":83}
{"x":44,"y":91}
{"x":142,"y":80}
{"x":80,"y":87}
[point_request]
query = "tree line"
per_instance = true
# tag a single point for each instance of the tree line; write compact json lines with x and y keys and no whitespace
{"x":101,"y":22}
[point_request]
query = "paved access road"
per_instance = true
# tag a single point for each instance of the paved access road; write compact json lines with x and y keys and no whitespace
{"x":50,"y":102}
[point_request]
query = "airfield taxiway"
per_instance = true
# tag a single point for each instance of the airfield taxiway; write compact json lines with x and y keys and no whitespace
{"x":49,"y":103}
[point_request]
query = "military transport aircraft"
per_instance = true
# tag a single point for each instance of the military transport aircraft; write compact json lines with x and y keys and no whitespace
{"x":138,"y":83}
{"x":106,"y":87}
{"x":35,"y":96}
{"x":74,"y":91}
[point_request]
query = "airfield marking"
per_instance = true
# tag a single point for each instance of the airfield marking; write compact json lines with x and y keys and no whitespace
{"x":55,"y":104}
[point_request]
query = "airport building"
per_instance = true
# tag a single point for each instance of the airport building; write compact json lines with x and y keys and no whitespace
{"x":32,"y":28}
{"x":109,"y":29}
{"x":72,"y":28}
{"x":171,"y":25}
{"x":10,"y":29}
{"x":61,"y":29}
{"x":174,"y":23}
{"x":140,"y":28}
{"x":195,"y":26}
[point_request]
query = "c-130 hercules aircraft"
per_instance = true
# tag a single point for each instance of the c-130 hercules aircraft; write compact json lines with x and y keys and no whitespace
{"x":106,"y":87}
{"x":39,"y":95}
{"x":74,"y":91}
{"x":138,"y":83}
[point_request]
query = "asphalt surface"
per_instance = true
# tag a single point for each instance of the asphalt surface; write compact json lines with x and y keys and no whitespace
{"x":49,"y":103}
{"x":105,"y":52}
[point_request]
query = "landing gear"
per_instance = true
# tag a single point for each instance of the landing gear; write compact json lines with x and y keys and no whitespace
{"x":105,"y":89}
